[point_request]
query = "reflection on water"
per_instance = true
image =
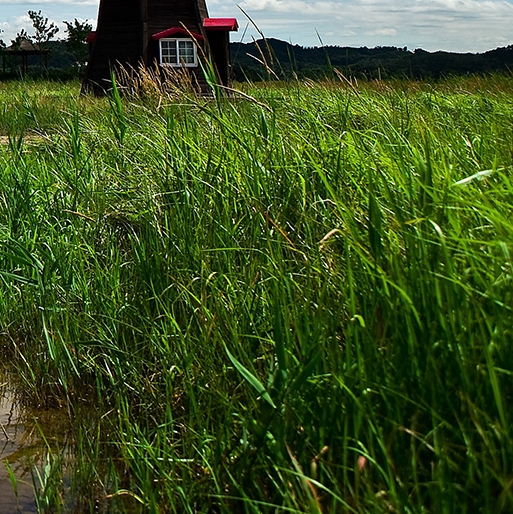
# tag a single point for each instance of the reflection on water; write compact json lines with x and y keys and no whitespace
{"x":23,"y":448}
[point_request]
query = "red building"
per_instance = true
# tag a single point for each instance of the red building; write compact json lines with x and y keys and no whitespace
{"x":172,"y":33}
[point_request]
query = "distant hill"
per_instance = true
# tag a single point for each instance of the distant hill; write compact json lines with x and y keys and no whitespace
{"x":382,"y":61}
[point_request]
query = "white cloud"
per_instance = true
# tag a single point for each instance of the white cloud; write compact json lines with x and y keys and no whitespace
{"x":382,"y":32}
{"x":22,"y":20}
{"x":457,"y":25}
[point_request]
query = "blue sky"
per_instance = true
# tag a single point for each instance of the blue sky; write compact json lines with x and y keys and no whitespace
{"x":452,"y":25}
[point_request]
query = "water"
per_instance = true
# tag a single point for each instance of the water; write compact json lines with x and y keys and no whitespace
{"x":24,"y":448}
{"x":40,"y":446}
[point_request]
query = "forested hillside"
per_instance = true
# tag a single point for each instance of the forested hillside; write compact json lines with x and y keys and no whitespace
{"x":285,"y":59}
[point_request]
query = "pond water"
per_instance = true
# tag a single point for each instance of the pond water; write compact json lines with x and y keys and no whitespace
{"x":26,"y":437}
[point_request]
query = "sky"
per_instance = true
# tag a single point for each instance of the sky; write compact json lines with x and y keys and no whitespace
{"x":450,"y":25}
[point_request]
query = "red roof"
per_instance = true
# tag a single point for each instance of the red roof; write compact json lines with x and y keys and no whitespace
{"x":173,"y":31}
{"x":220,"y":24}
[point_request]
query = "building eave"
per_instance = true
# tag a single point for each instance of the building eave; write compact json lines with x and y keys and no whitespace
{"x":176,"y":31}
{"x":227,"y":24}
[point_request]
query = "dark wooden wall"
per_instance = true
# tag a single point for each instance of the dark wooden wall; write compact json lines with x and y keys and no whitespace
{"x":219,"y":43}
{"x":119,"y":38}
{"x":164,"y":14}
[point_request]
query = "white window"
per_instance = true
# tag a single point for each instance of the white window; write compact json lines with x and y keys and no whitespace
{"x":178,"y":52}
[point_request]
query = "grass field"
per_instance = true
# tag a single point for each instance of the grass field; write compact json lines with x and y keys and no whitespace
{"x":293,"y":300}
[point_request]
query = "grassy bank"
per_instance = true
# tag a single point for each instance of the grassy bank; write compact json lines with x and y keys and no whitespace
{"x":294,"y":302}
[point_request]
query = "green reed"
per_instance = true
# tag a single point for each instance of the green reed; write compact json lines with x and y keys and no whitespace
{"x":296,"y":300}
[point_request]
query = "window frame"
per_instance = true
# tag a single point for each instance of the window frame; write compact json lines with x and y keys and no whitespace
{"x":179,"y":63}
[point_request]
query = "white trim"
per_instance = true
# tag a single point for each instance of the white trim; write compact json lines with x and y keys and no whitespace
{"x":177,"y":42}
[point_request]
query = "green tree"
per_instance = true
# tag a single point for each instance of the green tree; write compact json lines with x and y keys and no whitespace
{"x":76,"y":41}
{"x":45,"y":30}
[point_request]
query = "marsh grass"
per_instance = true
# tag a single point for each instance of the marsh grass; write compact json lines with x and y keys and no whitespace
{"x":299,"y":300}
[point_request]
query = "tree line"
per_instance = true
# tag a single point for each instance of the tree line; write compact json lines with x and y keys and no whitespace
{"x":264,"y":59}
{"x":73,"y":48}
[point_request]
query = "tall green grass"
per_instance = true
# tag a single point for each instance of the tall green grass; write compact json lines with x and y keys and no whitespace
{"x":296,"y":300}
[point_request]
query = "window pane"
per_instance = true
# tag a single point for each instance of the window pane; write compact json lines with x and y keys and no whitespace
{"x":168,"y":52}
{"x":186,"y":51}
